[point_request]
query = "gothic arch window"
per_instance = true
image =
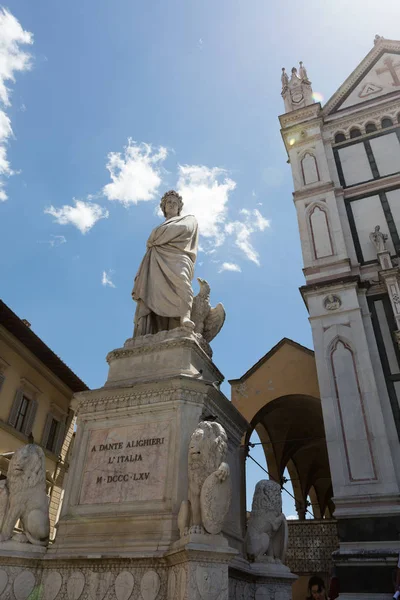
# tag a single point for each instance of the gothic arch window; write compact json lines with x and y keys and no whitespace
{"x":320,"y":232}
{"x":370,"y":128}
{"x":352,"y":413}
{"x":386,"y":122}
{"x":309,"y":168}
{"x":339,"y":137}
{"x":355,"y":132}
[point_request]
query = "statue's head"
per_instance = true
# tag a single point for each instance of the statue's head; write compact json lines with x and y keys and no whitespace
{"x":27,"y":465}
{"x":171,"y":195}
{"x":267,"y":496}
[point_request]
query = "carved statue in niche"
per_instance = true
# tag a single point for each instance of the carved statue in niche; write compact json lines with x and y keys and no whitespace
{"x":379,"y":239}
{"x":163,"y":284}
{"x":267,"y":530}
{"x":23,"y":496}
{"x":209,"y":491}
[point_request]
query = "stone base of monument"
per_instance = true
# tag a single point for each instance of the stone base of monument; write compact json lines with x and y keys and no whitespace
{"x":15,"y":548}
{"x":188,"y":573}
{"x":129,"y":471}
{"x":261,"y":581}
{"x":118,"y":537}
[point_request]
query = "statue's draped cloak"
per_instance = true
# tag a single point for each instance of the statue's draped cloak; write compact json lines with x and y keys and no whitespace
{"x":162,"y":288}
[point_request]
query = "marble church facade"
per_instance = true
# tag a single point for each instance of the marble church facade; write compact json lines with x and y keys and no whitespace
{"x":345,"y":161}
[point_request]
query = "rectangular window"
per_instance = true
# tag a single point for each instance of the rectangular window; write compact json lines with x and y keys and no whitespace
{"x":355,"y":164}
{"x":22,"y":414}
{"x":386,"y":151}
{"x":50,"y":444}
{"x":394,"y":202}
{"x":367,"y":213}
{"x":384,"y":325}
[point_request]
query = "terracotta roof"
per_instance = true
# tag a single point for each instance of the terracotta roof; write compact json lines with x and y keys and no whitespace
{"x":267,"y":356}
{"x":18,"y":328}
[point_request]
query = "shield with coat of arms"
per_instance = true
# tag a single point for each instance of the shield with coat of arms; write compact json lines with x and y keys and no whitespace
{"x":215,"y":500}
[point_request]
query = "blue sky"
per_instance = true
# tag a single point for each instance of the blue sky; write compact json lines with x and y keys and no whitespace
{"x":195,"y":86}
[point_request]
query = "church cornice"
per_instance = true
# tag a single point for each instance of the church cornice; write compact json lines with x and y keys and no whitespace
{"x":299,"y":116}
{"x":368,"y":188}
{"x":315,"y":189}
{"x":359,"y":119}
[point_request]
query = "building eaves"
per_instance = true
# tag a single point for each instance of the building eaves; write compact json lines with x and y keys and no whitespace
{"x":269,"y":354}
{"x":14,"y":325}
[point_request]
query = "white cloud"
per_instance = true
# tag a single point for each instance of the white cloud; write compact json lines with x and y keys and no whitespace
{"x":12,"y":60}
{"x":227,"y":266}
{"x":291,"y":518}
{"x":205,"y":194}
{"x":135,"y":173}
{"x":242,"y":230}
{"x":106,"y":279}
{"x":83,"y":215}
{"x":56,"y":240}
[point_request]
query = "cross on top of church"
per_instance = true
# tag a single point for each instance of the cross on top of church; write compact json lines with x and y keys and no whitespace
{"x":390,"y":68}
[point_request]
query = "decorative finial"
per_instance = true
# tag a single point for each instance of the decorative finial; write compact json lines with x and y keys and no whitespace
{"x":284,"y":78}
{"x":303,"y":72}
{"x":377,"y":38}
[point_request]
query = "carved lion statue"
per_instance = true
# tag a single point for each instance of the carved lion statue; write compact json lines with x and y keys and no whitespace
{"x":23,"y":496}
{"x":209,"y":491}
{"x":267,"y":530}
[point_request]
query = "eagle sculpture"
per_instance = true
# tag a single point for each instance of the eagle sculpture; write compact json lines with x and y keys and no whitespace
{"x":207,"y":321}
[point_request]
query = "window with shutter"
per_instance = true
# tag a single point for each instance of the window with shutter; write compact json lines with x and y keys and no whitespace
{"x":53,"y":434}
{"x":51,"y":439}
{"x":12,"y":419}
{"x":59,"y":438}
{"x":46,"y":430}
{"x":27,"y":425}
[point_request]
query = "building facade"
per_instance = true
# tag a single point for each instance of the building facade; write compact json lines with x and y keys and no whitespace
{"x":36,"y":389}
{"x":345,"y":161}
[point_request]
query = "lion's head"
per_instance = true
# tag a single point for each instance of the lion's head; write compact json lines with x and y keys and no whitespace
{"x":27,"y":468}
{"x":208,"y":446}
{"x":267,"y":496}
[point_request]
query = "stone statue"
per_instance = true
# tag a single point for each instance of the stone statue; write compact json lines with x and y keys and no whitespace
{"x":379,"y":239}
{"x":209,"y":491}
{"x":267,"y":530}
{"x":163,"y":289}
{"x":284,"y":78}
{"x":303,"y":72}
{"x":23,"y":496}
{"x":208,"y":321}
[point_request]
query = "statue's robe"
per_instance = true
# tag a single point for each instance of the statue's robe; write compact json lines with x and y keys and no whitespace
{"x":163,"y":289}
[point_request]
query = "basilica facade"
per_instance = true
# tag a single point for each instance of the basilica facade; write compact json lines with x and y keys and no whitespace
{"x":345,"y":162}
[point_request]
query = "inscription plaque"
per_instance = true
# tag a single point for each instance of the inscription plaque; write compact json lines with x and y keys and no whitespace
{"x":126,"y":464}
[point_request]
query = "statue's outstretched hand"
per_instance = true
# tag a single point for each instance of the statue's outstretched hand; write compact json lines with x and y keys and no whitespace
{"x":223,"y":471}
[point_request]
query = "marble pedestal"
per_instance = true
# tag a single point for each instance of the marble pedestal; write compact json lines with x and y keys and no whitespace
{"x":128,"y":473}
{"x":117,"y":537}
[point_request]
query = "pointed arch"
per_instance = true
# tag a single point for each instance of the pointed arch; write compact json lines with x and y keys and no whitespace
{"x":351,"y":410}
{"x":320,"y":232}
{"x":309,"y":168}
